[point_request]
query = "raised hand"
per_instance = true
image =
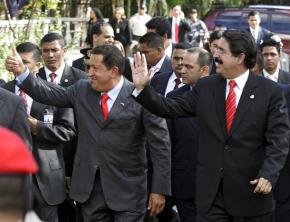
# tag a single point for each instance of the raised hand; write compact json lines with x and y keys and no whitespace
{"x":140,"y":74}
{"x":13,"y":63}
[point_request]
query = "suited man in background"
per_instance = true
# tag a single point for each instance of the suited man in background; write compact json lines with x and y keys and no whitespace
{"x":271,"y":51}
{"x":249,"y":125}
{"x":53,"y":49}
{"x":166,"y":82}
{"x":109,"y":176}
{"x":258,"y":32}
{"x":151,"y":45}
{"x":162,"y":26}
{"x":184,"y":138}
{"x":49,"y":138}
{"x":179,"y":25}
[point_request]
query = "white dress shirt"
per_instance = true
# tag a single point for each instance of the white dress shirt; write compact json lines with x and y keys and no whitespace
{"x":58,"y":73}
{"x":29,"y":100}
{"x":171,"y":83}
{"x":273,"y":76}
{"x":113,"y":93}
{"x":240,"y":84}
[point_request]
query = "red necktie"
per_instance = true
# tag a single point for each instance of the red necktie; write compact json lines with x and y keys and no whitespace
{"x":177,"y":82}
{"x":104,"y":105}
{"x":176,"y":31}
{"x":231,"y":105}
{"x":23,"y":96}
{"x":53,"y":77}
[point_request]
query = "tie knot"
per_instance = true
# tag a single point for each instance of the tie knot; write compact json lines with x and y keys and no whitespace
{"x":105,"y":97}
{"x":177,"y":82}
{"x":21,"y":92}
{"x":232,"y":83}
{"x":52,"y":77}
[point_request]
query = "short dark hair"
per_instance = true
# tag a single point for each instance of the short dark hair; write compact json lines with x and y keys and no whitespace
{"x":30,"y":47}
{"x":97,"y":28}
{"x":253,"y":13}
{"x":161,"y":25}
{"x":215,"y":35}
{"x":112,"y":56}
{"x":53,"y":36}
{"x":241,"y":41}
{"x":152,"y":40}
{"x":268,"y":42}
{"x":182,"y":45}
{"x":204,"y":57}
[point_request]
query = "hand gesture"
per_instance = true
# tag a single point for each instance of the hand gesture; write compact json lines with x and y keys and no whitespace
{"x":140,"y":74}
{"x":13,"y":63}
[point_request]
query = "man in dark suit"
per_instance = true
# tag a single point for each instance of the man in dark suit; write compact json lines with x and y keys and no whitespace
{"x":179,"y":25}
{"x":13,"y":115}
{"x":271,"y":51}
{"x":282,"y":191}
{"x":166,"y":82}
{"x":151,"y":45}
{"x":258,"y":32}
{"x":53,"y":49}
{"x":109,"y":177}
{"x":243,"y":147}
{"x":184,"y":139}
{"x":50,"y":137}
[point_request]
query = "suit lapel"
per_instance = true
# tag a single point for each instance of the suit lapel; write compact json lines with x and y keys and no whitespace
{"x":246,"y":101}
{"x":67,"y":77}
{"x":42,"y":74}
{"x":94,"y":99}
{"x":121,"y":102}
{"x":220,"y":95}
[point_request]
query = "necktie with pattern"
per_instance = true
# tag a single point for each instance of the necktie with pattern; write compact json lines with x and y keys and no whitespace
{"x":177,"y":83}
{"x":52,"y":77}
{"x":23,"y":96}
{"x":231,"y":105}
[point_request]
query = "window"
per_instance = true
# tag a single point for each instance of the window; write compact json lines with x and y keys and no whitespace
{"x":280,"y":23}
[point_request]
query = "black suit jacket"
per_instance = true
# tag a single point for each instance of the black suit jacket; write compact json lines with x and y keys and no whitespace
{"x":256,"y":146}
{"x":159,"y":82}
{"x":282,"y":191}
{"x":183,"y":28}
{"x":13,"y":115}
{"x":48,"y":147}
{"x":70,"y":76}
{"x":165,"y":67}
{"x":263,"y":33}
{"x":184,"y":151}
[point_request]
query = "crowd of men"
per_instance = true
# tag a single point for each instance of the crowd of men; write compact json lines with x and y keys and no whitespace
{"x":184,"y":130}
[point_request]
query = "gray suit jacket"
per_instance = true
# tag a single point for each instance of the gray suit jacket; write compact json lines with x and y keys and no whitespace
{"x":13,"y":115}
{"x":115,"y":147}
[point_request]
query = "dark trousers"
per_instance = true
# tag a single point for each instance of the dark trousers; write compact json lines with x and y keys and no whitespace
{"x":185,"y":207}
{"x":218,"y":213}
{"x":95,"y":208}
{"x":282,"y":211}
{"x":47,"y":213}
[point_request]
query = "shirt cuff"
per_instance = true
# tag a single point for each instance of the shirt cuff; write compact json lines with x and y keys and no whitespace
{"x":136,"y":92}
{"x":19,"y":79}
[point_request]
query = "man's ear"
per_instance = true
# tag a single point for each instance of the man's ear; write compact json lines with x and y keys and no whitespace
{"x":64,"y":49}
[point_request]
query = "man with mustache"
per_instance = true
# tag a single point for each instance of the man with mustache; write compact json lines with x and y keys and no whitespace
{"x":243,"y":131}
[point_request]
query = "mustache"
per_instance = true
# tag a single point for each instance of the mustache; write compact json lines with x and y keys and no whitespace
{"x":217,"y":60}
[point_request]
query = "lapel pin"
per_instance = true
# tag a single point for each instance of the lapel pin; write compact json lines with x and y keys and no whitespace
{"x":122,"y":104}
{"x":66,"y":80}
{"x":252,"y":96}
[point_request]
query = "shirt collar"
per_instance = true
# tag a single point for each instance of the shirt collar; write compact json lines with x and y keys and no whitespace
{"x":58,"y":72}
{"x":157,"y":67}
{"x":114,"y":92}
{"x":273,"y":76}
{"x":241,"y":80}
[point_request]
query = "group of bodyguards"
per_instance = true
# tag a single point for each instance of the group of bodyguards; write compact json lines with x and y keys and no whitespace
{"x":100,"y":136}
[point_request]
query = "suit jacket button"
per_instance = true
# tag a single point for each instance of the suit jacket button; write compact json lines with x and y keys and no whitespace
{"x":221,"y":169}
{"x":226,"y":147}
